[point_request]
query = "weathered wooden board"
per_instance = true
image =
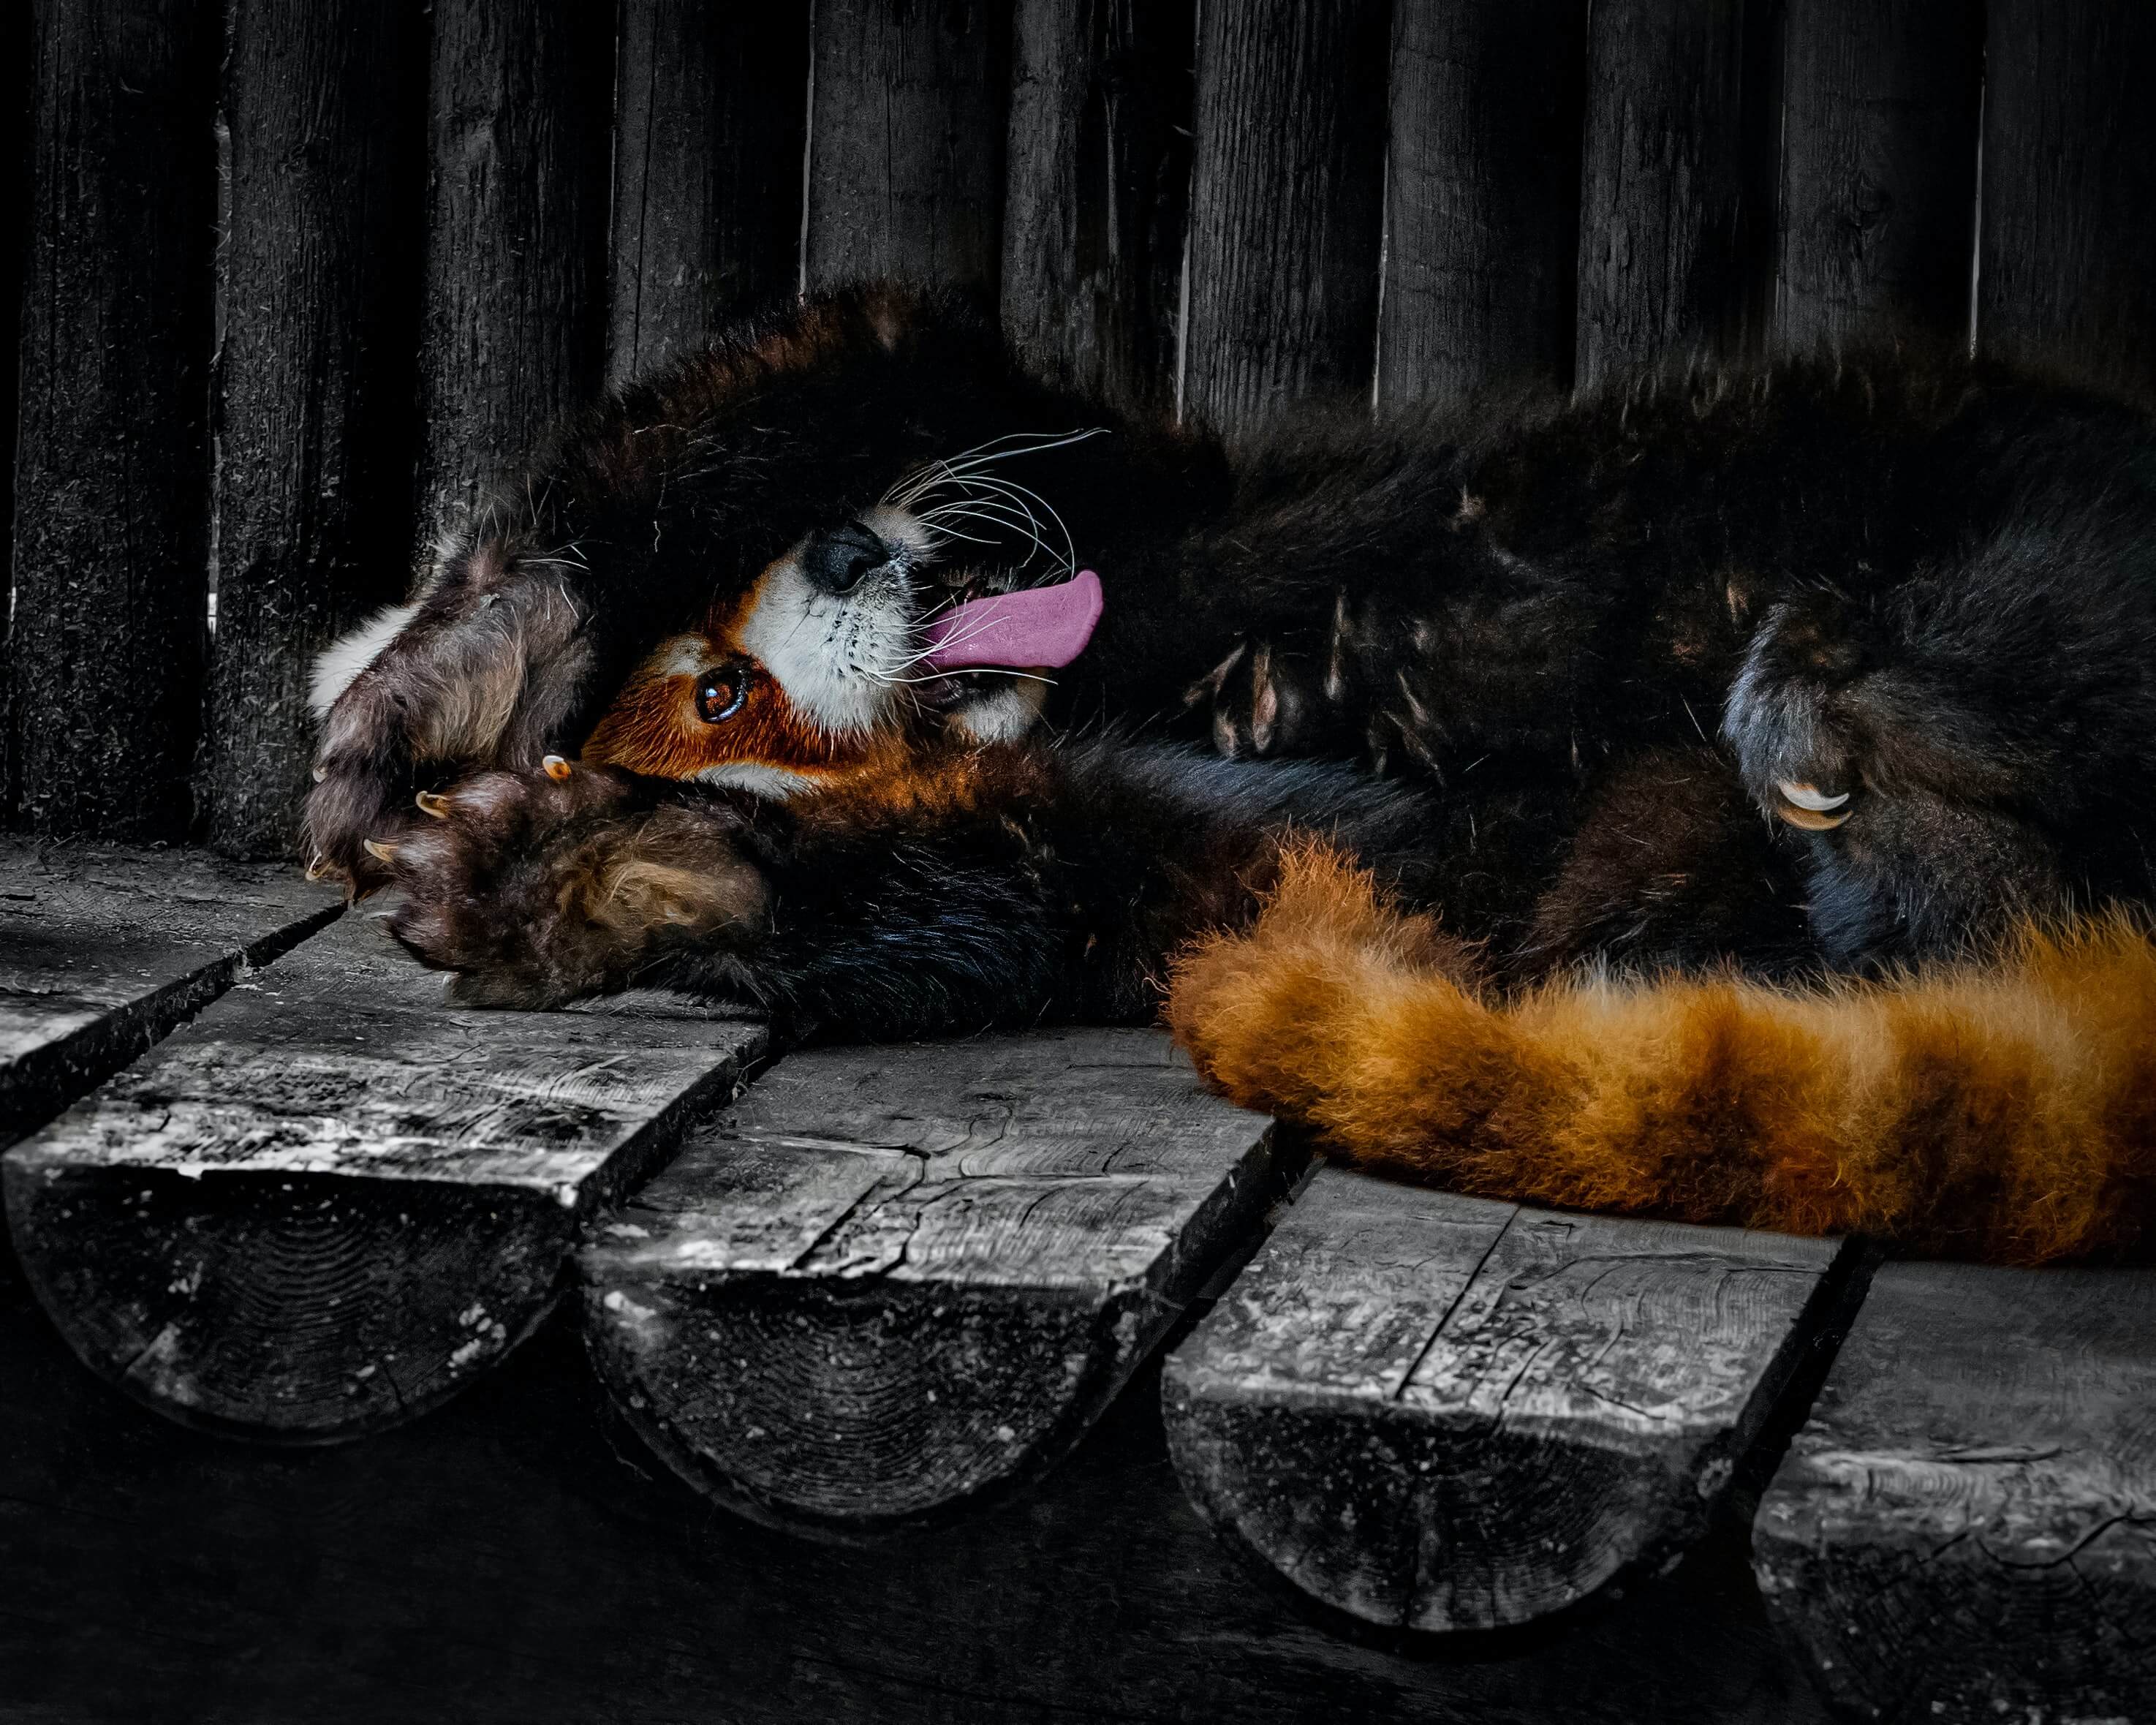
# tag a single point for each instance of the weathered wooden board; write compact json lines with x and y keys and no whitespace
{"x":513,"y":329}
{"x":333,"y":1199}
{"x":112,"y":465}
{"x":1286,"y":207}
{"x":1099,"y":193}
{"x":894,"y":1279}
{"x":1481,"y":197}
{"x":1662,"y":252}
{"x":2068,"y":265}
{"x":710,"y":112}
{"x":1438,"y":1413}
{"x":323,"y":105}
{"x":906,"y":134}
{"x":499,"y":1564}
{"x":1965,"y":1529}
{"x":103,"y":951}
{"x":1879,"y":144}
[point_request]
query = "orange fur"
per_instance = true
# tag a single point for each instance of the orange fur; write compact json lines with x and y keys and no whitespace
{"x":2005,"y":1111}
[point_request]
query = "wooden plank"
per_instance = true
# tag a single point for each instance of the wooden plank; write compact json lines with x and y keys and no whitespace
{"x":314,"y":380}
{"x":112,"y":473}
{"x":1965,"y":1529}
{"x":906,"y":155}
{"x":894,"y":1280}
{"x":1878,"y":217}
{"x":513,"y":330}
{"x":1482,"y":198}
{"x":497,"y":1564}
{"x":103,"y":951}
{"x":1286,"y":207}
{"x":2068,"y":265}
{"x":333,"y":1199}
{"x":1437,"y":1413}
{"x":1662,"y":252}
{"x":1099,"y":193}
{"x":709,"y":121}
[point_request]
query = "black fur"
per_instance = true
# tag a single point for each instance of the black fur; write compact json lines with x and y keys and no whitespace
{"x":1052,"y":883}
{"x":1593,"y":637}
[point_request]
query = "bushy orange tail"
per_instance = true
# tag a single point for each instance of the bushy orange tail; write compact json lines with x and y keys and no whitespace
{"x":2004,"y":1111}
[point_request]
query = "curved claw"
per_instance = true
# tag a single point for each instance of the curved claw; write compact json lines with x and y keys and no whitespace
{"x":378,"y":850}
{"x":556,"y":766}
{"x":1806,"y":796}
{"x":433,"y":803}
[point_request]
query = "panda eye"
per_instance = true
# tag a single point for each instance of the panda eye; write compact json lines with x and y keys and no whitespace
{"x":721,"y":692}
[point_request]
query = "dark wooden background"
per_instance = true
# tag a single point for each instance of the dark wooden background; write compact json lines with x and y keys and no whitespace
{"x":296,"y":276}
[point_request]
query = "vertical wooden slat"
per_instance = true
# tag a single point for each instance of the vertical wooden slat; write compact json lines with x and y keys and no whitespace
{"x":521,"y":105}
{"x":905,"y":165}
{"x":15,"y":120}
{"x":1878,"y":168}
{"x":112,"y":477}
{"x":1661,"y":245}
{"x":2069,"y":248}
{"x":319,"y":277}
{"x":1099,"y":191}
{"x":1287,"y":205}
{"x":1482,"y":195}
{"x":713,"y":105}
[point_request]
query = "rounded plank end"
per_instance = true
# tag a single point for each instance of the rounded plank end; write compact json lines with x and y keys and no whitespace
{"x":845,"y":1412}
{"x":290,"y":1308}
{"x":1440,"y":1415}
{"x":1965,"y":1527}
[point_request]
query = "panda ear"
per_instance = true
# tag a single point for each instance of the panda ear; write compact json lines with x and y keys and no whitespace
{"x":339,"y":664}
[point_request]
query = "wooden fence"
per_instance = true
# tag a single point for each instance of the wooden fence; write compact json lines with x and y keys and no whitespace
{"x":252,"y":236}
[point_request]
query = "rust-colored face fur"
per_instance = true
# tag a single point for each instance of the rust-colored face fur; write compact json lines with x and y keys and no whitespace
{"x":2003,"y":1111}
{"x":795,"y":684}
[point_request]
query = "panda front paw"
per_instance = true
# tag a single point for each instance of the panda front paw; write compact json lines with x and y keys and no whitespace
{"x":537,"y":889}
{"x":1264,"y":698}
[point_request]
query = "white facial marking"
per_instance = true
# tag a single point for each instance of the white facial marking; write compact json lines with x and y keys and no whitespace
{"x":777,"y":783}
{"x":835,"y":655}
{"x":1001,"y":712}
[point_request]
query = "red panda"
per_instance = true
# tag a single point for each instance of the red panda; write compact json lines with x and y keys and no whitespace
{"x":1830,"y":667}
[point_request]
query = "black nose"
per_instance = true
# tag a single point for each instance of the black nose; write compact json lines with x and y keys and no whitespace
{"x":839,"y":559}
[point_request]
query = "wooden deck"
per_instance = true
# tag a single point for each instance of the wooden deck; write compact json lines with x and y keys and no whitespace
{"x":1088,"y":1394}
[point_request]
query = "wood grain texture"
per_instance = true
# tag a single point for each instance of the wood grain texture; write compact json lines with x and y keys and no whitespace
{"x":1287,"y":206}
{"x":112,"y":465}
{"x":509,"y":1561}
{"x":1662,"y":243}
{"x":103,"y":951}
{"x":1965,"y":1529}
{"x":333,"y":1199}
{"x":17,"y":116}
{"x":1436,"y":1412}
{"x":319,"y":279}
{"x":1878,"y":216}
{"x":2068,"y":270}
{"x":894,"y":1280}
{"x":1482,"y":198}
{"x":520,"y":105}
{"x":905,"y":159}
{"x":711,"y":115}
{"x":1099,"y":193}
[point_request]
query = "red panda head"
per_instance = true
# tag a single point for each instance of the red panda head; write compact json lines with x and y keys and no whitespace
{"x":819,"y":669}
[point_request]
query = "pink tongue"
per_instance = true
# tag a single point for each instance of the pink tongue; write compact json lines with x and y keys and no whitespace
{"x":1044,"y":626}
